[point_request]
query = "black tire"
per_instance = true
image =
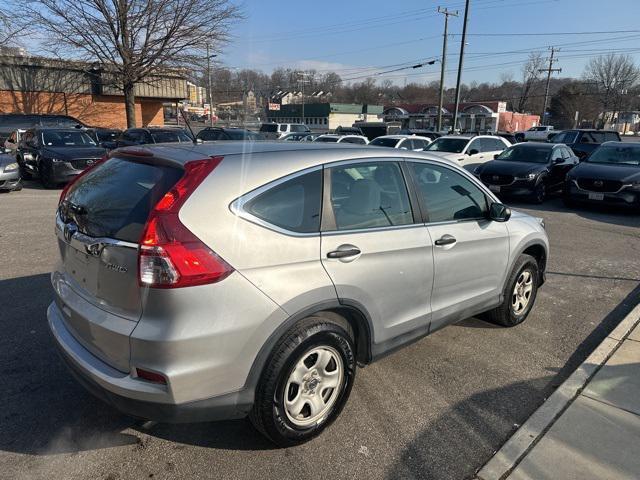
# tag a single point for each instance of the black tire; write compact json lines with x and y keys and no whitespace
{"x":539,"y":193}
{"x":568,"y":200}
{"x":506,"y":314}
{"x":269,"y":415}
{"x":46,"y":175}
{"x":24,"y":173}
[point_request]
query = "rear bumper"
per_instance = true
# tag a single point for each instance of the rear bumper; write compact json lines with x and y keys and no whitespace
{"x":135,"y":397}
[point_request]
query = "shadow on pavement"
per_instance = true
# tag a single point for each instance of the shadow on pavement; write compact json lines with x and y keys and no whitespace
{"x":44,"y":411}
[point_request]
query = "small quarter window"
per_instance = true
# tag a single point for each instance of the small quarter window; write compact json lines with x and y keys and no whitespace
{"x":292,"y":205}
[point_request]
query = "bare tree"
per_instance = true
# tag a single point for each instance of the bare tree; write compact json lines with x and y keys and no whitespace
{"x":610,"y":77}
{"x":530,"y":77}
{"x":133,"y":39}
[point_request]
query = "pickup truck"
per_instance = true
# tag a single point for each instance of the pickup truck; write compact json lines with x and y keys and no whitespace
{"x":539,"y":133}
{"x":585,"y":141}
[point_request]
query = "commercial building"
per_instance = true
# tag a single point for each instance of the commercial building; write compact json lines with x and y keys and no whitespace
{"x":323,"y":117}
{"x":83,"y":90}
{"x":472,"y":117}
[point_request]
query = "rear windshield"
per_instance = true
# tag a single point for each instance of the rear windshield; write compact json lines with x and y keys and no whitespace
{"x":326,"y":139}
{"x":269,"y":127}
{"x":114,"y":199}
{"x":450,"y":145}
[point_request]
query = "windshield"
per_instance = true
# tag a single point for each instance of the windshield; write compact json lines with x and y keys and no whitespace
{"x":385,"y":142}
{"x":565,"y":137}
{"x":451,"y":145}
{"x":525,"y":153}
{"x":170,"y":136}
{"x":299,"y":128}
{"x":616,"y":154}
{"x":62,"y":138}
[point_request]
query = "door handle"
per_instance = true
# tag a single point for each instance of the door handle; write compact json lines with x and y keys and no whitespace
{"x":445,"y":240}
{"x":351,"y":252}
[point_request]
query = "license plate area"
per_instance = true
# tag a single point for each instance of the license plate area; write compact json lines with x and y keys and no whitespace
{"x":596,"y":196}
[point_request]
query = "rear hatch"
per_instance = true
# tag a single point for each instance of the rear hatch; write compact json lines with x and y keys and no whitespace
{"x":98,"y":227}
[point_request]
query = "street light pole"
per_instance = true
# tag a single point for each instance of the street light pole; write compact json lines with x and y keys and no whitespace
{"x":443,"y":63}
{"x":460,"y":64}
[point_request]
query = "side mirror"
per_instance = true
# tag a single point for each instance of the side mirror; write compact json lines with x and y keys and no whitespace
{"x":473,"y":151}
{"x":558,"y":160}
{"x":496,"y":156}
{"x":499,"y":212}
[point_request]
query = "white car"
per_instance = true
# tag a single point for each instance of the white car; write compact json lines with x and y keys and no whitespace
{"x":275,"y":131}
{"x":333,"y":138}
{"x":539,"y":134}
{"x":403,"y":142}
{"x":468,"y":151}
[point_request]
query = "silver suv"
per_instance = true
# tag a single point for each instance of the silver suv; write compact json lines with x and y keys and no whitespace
{"x":218,"y":281}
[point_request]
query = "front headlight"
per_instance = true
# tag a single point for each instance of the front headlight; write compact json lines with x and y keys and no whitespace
{"x":56,"y":160}
{"x":11,"y":167}
{"x":531,"y":176}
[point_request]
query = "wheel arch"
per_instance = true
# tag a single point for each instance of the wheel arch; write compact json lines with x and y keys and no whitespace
{"x":352,"y":312}
{"x":538,"y":251}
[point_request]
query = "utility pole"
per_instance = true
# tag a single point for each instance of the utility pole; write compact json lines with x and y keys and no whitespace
{"x":549,"y":71}
{"x":302,"y":79}
{"x":210,"y":93}
{"x":443,"y":63}
{"x":460,"y":64}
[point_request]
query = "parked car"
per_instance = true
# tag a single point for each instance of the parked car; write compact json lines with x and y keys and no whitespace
{"x":10,"y":122}
{"x":539,"y":133}
{"x":56,"y":155}
{"x":467,"y":151}
{"x":205,"y":292}
{"x":220,"y":133}
{"x":102,"y":135}
{"x":585,"y":141}
{"x":334,"y":138}
{"x":420,"y":132}
{"x":530,"y":169}
{"x":13,"y":140}
{"x":298,"y":137}
{"x":403,"y":142}
{"x":509,"y":137}
{"x":340,"y":130}
{"x":273,"y":131}
{"x":9,"y":171}
{"x":610,"y":175}
{"x":149,"y":136}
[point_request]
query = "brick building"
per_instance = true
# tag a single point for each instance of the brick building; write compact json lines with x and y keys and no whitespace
{"x":472,"y":117}
{"x":82,"y":90}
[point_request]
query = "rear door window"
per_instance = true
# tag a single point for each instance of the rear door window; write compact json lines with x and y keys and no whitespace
{"x":115,"y":198}
{"x":369,"y":195}
{"x":293,"y":205}
{"x":269,"y":127}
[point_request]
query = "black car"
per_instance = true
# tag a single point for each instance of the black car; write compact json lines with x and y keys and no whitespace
{"x":510,"y":137}
{"x":530,"y":169}
{"x":421,"y":132}
{"x":610,"y":175}
{"x":56,"y":155}
{"x":101,"y":134}
{"x":10,"y":122}
{"x":348,"y":131}
{"x":585,"y":141}
{"x":219,"y":133}
{"x":150,"y":135}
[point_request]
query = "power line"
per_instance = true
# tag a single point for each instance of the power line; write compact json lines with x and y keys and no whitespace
{"x":540,"y":34}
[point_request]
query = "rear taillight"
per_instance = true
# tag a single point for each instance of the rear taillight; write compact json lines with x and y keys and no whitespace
{"x":66,"y":188}
{"x":170,"y":255}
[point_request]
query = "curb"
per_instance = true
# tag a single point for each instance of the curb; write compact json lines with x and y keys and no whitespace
{"x":505,"y":460}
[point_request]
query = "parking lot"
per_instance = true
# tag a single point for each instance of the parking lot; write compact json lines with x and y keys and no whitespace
{"x":436,"y":409}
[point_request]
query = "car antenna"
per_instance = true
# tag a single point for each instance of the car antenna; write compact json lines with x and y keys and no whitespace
{"x":188,"y":124}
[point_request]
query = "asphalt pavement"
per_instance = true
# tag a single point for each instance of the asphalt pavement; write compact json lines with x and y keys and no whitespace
{"x":436,"y":409}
